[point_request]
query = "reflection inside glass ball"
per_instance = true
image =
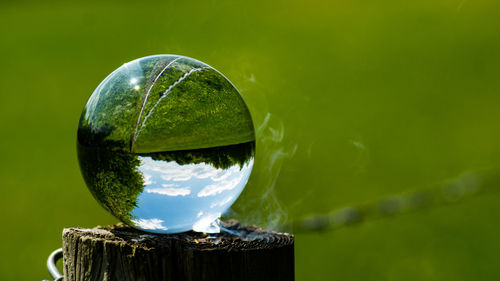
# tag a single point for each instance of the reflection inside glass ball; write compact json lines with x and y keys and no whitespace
{"x":166,"y":144}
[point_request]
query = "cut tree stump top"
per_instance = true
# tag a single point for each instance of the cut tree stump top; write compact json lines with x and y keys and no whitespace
{"x":119,"y":252}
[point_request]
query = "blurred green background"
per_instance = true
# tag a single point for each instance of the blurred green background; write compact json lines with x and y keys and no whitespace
{"x":353,"y":101}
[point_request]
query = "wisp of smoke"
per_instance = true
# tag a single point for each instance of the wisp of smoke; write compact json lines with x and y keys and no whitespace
{"x":260,"y":204}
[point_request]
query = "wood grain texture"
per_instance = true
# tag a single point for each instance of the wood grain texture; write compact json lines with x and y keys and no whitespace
{"x":121,"y":253}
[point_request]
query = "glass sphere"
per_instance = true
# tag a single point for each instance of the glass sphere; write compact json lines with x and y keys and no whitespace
{"x":166,"y":144}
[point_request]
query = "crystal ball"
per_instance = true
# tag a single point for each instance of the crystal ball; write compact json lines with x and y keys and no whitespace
{"x":166,"y":144}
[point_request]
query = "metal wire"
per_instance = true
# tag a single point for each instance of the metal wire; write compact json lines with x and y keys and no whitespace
{"x":467,"y":185}
{"x":52,"y":265}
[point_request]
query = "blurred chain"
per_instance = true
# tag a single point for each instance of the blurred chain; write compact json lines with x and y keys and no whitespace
{"x":458,"y":189}
{"x":52,"y":265}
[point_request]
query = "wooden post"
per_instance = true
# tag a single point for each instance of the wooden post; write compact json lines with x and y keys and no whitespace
{"x":122,"y":253}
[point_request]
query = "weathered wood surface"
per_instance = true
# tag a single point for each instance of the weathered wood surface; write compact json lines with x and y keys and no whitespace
{"x":121,"y":253}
